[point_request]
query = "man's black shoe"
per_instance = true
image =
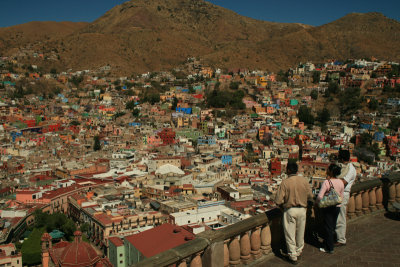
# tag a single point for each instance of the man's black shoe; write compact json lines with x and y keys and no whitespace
{"x":291,"y":261}
{"x":288,"y":259}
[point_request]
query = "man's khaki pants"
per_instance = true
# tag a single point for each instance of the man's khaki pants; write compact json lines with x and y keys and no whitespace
{"x":341,"y":220}
{"x":294,"y":223}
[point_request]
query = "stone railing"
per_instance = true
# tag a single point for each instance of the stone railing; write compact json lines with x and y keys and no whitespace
{"x":373,"y":195}
{"x":256,"y":237}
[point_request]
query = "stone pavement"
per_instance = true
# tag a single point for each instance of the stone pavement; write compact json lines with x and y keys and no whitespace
{"x":372,"y":240}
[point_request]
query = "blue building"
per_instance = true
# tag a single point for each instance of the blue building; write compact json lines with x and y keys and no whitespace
{"x":226,"y":159}
{"x":206,"y":140}
{"x":379,"y":136}
{"x":135,"y":124}
{"x":184,"y":110}
{"x":14,"y":135}
{"x":366,"y":126}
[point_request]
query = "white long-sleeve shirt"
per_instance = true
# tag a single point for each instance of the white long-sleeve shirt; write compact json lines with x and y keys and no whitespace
{"x":349,"y":174}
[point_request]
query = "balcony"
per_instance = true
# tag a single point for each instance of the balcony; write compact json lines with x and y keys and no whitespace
{"x":257,"y":241}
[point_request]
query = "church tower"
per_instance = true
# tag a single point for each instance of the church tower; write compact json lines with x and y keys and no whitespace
{"x":46,"y":246}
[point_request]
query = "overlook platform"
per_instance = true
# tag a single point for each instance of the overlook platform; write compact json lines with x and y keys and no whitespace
{"x":372,"y":234}
{"x":371,"y":241}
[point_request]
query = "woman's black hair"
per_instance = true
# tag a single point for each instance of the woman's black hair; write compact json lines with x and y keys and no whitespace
{"x":334,"y":170}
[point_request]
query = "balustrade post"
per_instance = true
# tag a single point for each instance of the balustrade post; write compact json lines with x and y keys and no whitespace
{"x":234,"y":252}
{"x":196,"y":261}
{"x":183,"y":264}
{"x":392,"y":193}
{"x":379,"y":198}
{"x":397,"y":192}
{"x":351,"y":207}
{"x":255,"y":241}
{"x":226,"y":253}
{"x":365,"y":201}
{"x":372,"y":199}
{"x":266,"y":239}
{"x":245,"y":248}
{"x":358,"y":203}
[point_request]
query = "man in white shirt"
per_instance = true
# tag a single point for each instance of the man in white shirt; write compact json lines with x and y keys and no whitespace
{"x":348,"y":176}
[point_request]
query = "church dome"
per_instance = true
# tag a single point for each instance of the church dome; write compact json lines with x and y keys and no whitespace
{"x":78,"y":253}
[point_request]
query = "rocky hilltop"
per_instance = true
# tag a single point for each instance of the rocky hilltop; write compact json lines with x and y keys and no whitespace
{"x":142,"y":35}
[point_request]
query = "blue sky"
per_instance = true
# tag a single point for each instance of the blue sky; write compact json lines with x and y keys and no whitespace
{"x":310,"y":12}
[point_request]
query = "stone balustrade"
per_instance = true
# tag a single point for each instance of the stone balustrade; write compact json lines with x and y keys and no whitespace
{"x":256,"y":237}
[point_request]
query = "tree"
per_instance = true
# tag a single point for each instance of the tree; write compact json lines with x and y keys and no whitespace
{"x":350,"y":101}
{"x":68,"y":228}
{"x":394,"y":124}
{"x":373,"y":104}
{"x":333,"y":87}
{"x":191,"y":90}
{"x":314,"y":94}
{"x":234,"y":85}
{"x":304,"y":115}
{"x":96,"y":145}
{"x":283,"y":76}
{"x":174,"y":103}
{"x":316,"y":76}
{"x":85,"y":227}
{"x":324,"y":116}
{"x":130,"y":105}
{"x":136,"y":112}
{"x":76,"y":80}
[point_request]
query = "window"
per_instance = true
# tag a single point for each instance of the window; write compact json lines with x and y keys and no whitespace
{"x":120,"y":262}
{"x":120,"y":255}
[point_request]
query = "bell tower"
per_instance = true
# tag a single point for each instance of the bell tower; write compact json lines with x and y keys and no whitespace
{"x":46,"y":246}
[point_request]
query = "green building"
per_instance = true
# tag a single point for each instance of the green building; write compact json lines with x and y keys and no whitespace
{"x":192,"y":134}
{"x":116,"y":252}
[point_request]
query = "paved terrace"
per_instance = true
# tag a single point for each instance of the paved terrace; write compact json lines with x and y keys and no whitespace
{"x":373,"y":236}
{"x":372,"y":240}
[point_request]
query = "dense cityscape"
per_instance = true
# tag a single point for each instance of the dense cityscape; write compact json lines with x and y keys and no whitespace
{"x":196,"y":148}
{"x":140,"y":139}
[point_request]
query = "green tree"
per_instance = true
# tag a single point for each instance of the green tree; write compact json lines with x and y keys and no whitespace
{"x":333,"y":87}
{"x":136,"y":112}
{"x":174,"y":103}
{"x":234,"y":85}
{"x":68,"y":228}
{"x":394,"y":123}
{"x":316,"y":76}
{"x":373,"y":104}
{"x":191,"y":90}
{"x":96,"y":145}
{"x":283,"y":76}
{"x":314,"y":94}
{"x":130,"y":105}
{"x":324,"y":116}
{"x":304,"y":114}
{"x":350,"y":101}
{"x":85,"y":227}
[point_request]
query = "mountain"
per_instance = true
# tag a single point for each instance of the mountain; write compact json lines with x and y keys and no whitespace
{"x":142,"y":35}
{"x":31,"y":33}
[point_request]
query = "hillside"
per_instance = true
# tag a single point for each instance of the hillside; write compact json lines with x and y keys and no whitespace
{"x":11,"y":38}
{"x":142,"y":35}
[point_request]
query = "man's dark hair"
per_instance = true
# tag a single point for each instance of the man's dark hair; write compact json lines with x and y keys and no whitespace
{"x":334,"y":170}
{"x":344,"y":155}
{"x":292,"y":168}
